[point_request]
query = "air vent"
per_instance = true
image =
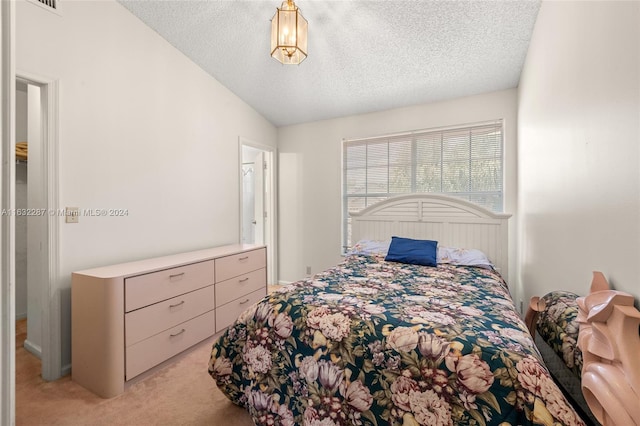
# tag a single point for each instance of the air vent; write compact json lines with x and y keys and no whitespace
{"x":49,"y":3}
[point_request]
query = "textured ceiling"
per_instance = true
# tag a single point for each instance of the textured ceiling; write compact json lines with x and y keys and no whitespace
{"x":364,"y":56}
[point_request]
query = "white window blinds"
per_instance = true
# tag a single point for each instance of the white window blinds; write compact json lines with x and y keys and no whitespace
{"x":465,"y":162}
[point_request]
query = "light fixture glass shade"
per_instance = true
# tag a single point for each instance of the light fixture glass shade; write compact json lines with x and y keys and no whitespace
{"x":289,"y":34}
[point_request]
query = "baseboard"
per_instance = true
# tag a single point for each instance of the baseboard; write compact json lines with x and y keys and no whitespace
{"x":37,"y":351}
{"x":66,"y":370}
{"x":21,"y":316}
{"x":33,"y":348}
{"x":284,"y":282}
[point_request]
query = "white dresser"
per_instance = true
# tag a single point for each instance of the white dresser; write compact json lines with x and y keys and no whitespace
{"x":128,"y":318}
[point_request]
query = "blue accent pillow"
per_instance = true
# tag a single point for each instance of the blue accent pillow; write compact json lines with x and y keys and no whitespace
{"x":418,"y":252}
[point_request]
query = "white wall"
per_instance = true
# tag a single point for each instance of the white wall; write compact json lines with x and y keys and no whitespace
{"x":142,"y":128}
{"x":21,"y":202}
{"x":310,"y":171}
{"x":36,"y":224}
{"x":578,"y":145}
{"x":21,"y":112}
{"x":21,"y":241}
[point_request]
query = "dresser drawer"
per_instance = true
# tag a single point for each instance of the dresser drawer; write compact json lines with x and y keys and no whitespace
{"x":153,"y":319}
{"x":228,"y":313}
{"x":158,"y":348}
{"x":147,"y":289}
{"x":238,"y":264}
{"x":230,"y":289}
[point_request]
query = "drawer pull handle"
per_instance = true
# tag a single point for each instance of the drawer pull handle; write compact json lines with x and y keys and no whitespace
{"x":177,"y":304}
{"x":171,"y":277}
{"x":244,"y":301}
{"x":178,"y":333}
{"x":243,"y":280}
{"x":243,"y":258}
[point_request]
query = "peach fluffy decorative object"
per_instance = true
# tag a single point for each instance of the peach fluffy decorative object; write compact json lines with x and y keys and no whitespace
{"x":610,"y":344}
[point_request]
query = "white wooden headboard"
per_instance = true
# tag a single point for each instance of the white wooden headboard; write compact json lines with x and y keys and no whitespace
{"x":452,"y":222}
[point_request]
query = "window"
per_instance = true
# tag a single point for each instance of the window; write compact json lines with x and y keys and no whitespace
{"x":464,"y":162}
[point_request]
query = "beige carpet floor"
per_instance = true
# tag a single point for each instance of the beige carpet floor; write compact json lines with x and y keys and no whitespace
{"x":180,"y":394}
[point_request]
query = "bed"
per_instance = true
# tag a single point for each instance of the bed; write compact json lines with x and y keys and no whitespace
{"x":373,"y":341}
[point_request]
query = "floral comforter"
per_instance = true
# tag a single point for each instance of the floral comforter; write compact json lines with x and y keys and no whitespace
{"x":370,"y":342}
{"x":558,"y":326}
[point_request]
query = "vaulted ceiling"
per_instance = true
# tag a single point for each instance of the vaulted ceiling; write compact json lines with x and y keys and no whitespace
{"x":364,"y":56}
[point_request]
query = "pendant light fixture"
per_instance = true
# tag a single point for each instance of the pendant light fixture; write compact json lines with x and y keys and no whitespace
{"x":289,"y":34}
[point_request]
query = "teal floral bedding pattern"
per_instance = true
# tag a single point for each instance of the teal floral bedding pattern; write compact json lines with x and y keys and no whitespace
{"x":370,"y":342}
{"x":558,"y":326}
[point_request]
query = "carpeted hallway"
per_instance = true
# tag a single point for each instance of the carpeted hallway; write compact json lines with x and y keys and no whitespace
{"x":180,"y":394}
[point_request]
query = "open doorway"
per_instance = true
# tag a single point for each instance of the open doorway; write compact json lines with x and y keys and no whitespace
{"x":36,"y":222}
{"x":257,"y":200}
{"x":29,"y":223}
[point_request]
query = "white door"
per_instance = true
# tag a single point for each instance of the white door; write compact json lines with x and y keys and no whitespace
{"x":258,"y":221}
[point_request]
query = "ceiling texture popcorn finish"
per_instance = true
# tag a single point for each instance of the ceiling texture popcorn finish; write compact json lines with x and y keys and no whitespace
{"x":364,"y":56}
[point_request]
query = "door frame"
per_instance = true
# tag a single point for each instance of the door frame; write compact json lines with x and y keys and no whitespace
{"x":271,"y":223}
{"x":51,"y":344}
{"x":7,"y":223}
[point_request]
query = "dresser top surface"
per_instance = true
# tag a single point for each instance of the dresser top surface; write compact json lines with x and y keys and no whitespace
{"x":164,"y":262}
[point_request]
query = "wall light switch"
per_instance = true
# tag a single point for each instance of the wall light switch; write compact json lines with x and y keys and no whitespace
{"x":71,"y":215}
